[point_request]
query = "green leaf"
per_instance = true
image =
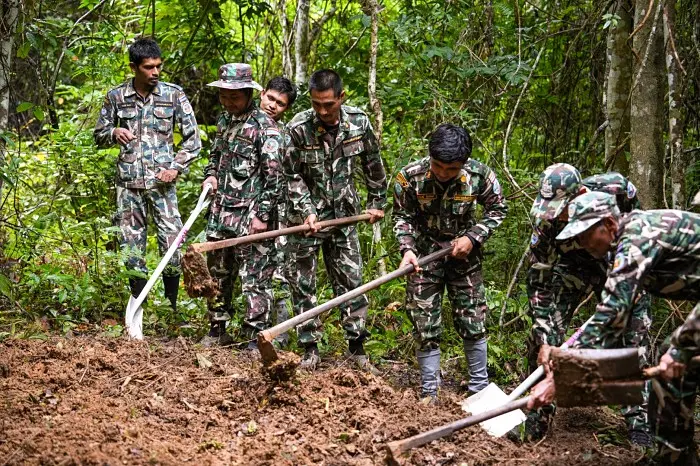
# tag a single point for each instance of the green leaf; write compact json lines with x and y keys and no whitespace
{"x":23,"y":50}
{"x":5,"y":286}
{"x":38,"y":113}
{"x":24,"y":106}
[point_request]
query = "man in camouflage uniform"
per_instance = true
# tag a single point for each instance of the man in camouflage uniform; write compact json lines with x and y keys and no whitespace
{"x":561,"y":274}
{"x":245,"y":171}
{"x":435,"y":202}
{"x":140,"y":115}
{"x":278,"y":97}
{"x":319,"y":165}
{"x":657,"y":251}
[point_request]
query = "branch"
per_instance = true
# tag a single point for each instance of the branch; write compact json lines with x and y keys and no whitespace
{"x":648,"y":48}
{"x":513,"y":281}
{"x":644,"y":20}
{"x":672,"y":42}
{"x":316,"y":28}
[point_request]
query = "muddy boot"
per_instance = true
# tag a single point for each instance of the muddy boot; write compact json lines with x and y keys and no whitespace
{"x":311,"y":358}
{"x":429,"y":365}
{"x":282,"y":312}
{"x":475,"y":351}
{"x":217,"y":336}
{"x":356,"y":353}
{"x":137,"y":285}
{"x":172,"y":286}
{"x":640,"y":438}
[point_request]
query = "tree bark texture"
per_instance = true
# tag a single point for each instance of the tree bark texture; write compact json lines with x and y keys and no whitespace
{"x":679,"y":160}
{"x":10,"y":14}
{"x":287,"y":64}
{"x":618,"y":88}
{"x":301,"y":42}
{"x":647,"y":110}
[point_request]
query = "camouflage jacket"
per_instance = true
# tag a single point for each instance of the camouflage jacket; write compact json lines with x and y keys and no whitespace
{"x":320,"y":176}
{"x":657,"y":251}
{"x":685,"y":341}
{"x":152,"y":122}
{"x":427,"y":212}
{"x":546,"y":252}
{"x":246,"y":161}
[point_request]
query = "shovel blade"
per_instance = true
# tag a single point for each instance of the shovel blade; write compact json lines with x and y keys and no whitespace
{"x":266,"y":348}
{"x":134,"y":320}
{"x":489,"y":398}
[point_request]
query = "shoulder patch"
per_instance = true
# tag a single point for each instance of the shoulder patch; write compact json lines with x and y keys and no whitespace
{"x":271,"y":146}
{"x":619,"y":262}
{"x":402,"y":180}
{"x":631,"y":190}
{"x":534,"y":239}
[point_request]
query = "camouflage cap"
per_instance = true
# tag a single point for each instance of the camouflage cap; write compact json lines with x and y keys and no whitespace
{"x":236,"y":76}
{"x":559,"y":183}
{"x":586,"y":210}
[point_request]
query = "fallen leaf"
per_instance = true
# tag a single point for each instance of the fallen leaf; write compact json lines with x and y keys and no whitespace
{"x":203,"y":362}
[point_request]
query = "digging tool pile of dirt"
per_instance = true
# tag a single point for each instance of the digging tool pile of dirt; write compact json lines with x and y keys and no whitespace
{"x":198,"y":281}
{"x":90,"y":400}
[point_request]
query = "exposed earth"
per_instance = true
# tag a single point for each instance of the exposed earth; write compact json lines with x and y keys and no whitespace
{"x":99,"y":400}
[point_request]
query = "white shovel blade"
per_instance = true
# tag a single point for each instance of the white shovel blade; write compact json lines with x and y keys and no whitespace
{"x":489,"y":398}
{"x":134,"y":320}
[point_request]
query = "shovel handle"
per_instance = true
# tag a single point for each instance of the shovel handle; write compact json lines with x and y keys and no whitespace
{"x":278,"y":329}
{"x":395,"y":449}
{"x":227,"y":243}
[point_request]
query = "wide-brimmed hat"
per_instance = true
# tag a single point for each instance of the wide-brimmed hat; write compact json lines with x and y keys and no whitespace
{"x":236,"y":76}
{"x":559,"y":183}
{"x":586,"y":210}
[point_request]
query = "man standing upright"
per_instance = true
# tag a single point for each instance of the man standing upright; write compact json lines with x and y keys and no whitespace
{"x":278,"y":97}
{"x":320,"y":163}
{"x":244,"y":169}
{"x":435,"y":202}
{"x":140,"y":115}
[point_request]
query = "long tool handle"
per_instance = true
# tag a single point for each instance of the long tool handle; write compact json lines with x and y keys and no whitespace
{"x":133,"y":317}
{"x":227,"y":243}
{"x":651,"y":372}
{"x":537,"y":374}
{"x":400,"y":446}
{"x":278,"y":329}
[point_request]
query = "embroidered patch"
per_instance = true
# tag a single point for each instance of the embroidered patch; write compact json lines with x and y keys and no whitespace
{"x":463,"y":179}
{"x":402,"y":180}
{"x":162,"y":103}
{"x":631,"y":190}
{"x":426,"y":197}
{"x":270,"y":146}
{"x":351,"y":140}
{"x":244,"y":139}
{"x":496,"y":186}
{"x":103,"y":112}
{"x":534,"y":239}
{"x":464,"y":197}
{"x":619,"y":262}
{"x":187,"y":108}
{"x":310,"y":147}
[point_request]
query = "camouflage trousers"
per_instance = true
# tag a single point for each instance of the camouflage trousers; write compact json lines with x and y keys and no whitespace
{"x":341,"y":254}
{"x":254,"y":264}
{"x":133,"y":206}
{"x":551,"y":318}
{"x":465,"y":290}
{"x":671,"y":415}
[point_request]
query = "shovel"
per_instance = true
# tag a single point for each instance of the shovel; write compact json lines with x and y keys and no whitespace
{"x":134,"y":311}
{"x":493,"y":396}
{"x":265,"y":337}
{"x":592,"y":377}
{"x":198,"y":281}
{"x":396,"y":448}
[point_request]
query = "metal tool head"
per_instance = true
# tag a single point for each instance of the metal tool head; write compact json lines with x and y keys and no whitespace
{"x":586,"y":377}
{"x":266,"y":348}
{"x":492,"y":397}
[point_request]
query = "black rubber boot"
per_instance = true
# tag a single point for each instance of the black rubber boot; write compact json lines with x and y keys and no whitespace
{"x":137,"y":285}
{"x":171,"y":286}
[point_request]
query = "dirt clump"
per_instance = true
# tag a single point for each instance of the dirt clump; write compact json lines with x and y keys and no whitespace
{"x":283,"y":368}
{"x":94,"y":400}
{"x":198,"y":281}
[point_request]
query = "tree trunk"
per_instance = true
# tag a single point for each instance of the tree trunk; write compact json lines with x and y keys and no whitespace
{"x":618,"y":88}
{"x":679,"y":160}
{"x":10,"y":15}
{"x":287,"y":64}
{"x":647,"y":111}
{"x":301,"y":42}
{"x":372,"y":9}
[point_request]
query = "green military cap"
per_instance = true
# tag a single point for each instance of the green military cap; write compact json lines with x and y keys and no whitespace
{"x":236,"y":76}
{"x":559,"y":183}
{"x":586,"y":210}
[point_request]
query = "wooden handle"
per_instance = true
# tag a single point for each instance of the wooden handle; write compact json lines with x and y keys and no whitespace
{"x":651,"y":372}
{"x":395,"y":449}
{"x":227,"y":243}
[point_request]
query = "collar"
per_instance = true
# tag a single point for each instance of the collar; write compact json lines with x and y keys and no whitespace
{"x":131,"y":90}
{"x":243,"y":117}
{"x":343,"y":123}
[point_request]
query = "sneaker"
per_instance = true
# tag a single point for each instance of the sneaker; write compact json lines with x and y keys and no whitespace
{"x":223,"y":339}
{"x":640,"y":438}
{"x":311,"y":358}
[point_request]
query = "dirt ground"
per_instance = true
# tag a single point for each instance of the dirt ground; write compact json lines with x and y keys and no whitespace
{"x":96,"y":400}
